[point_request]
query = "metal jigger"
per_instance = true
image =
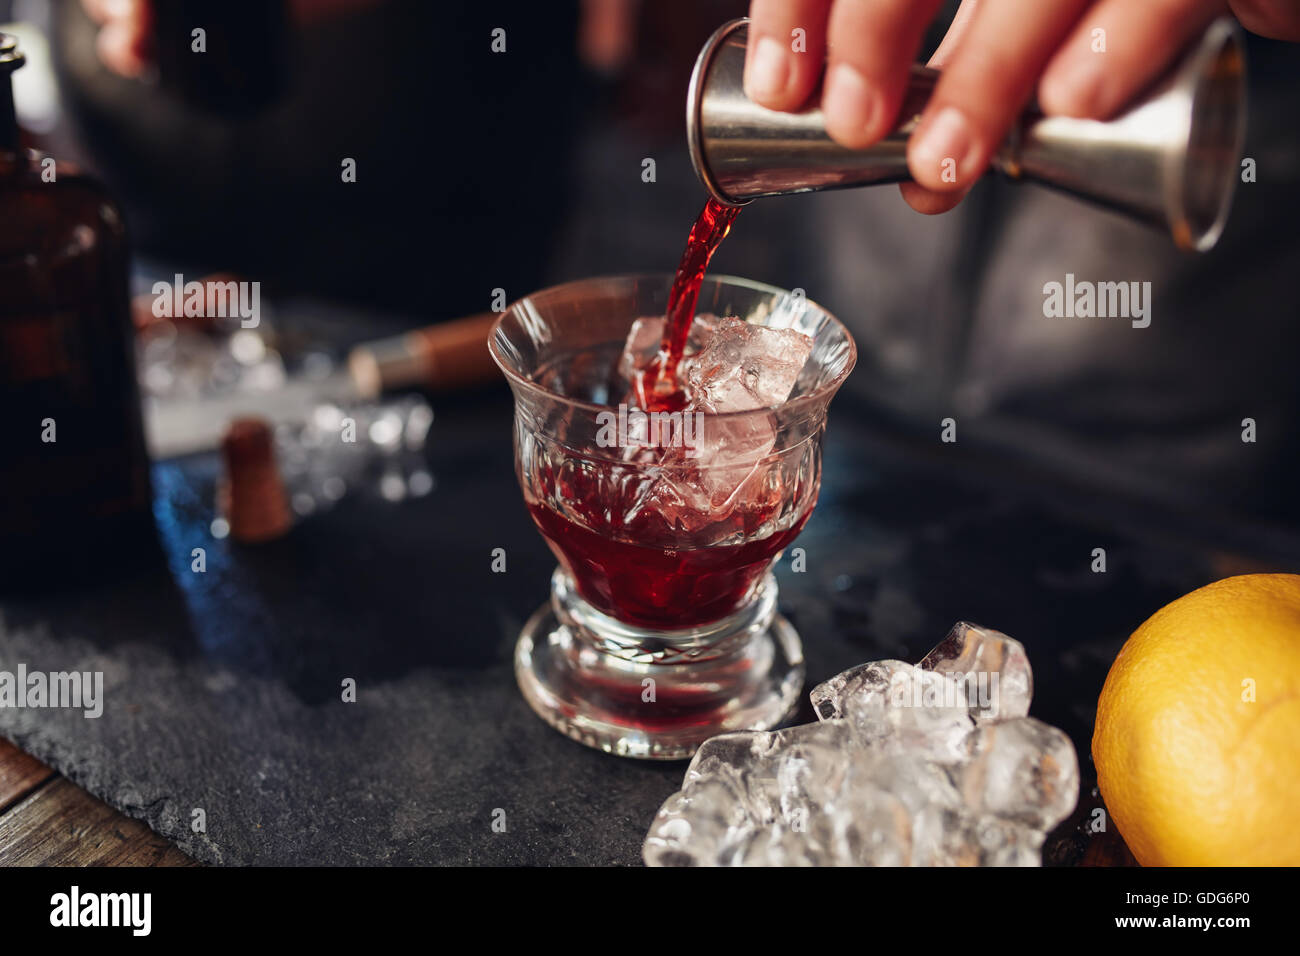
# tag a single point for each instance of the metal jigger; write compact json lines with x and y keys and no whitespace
{"x":1171,"y":159}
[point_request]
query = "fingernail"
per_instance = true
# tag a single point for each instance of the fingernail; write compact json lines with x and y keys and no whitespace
{"x":766,"y":72}
{"x":851,"y":102}
{"x":944,"y":145}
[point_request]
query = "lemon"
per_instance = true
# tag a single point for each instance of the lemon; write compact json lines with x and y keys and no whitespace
{"x":1197,"y":741}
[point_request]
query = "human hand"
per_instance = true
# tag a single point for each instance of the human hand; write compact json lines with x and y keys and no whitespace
{"x":1084,"y":58}
{"x":125,"y":40}
{"x":126,"y":27}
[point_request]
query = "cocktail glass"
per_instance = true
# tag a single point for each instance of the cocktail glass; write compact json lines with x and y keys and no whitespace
{"x":662,"y":629}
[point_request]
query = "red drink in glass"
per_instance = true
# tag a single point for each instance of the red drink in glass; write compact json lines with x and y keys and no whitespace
{"x":662,"y":628}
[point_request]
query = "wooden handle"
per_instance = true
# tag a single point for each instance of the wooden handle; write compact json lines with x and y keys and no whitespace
{"x":455,"y":353}
{"x":445,"y":356}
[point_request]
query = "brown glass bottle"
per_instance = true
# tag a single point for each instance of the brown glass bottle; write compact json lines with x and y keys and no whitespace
{"x":74,"y":475}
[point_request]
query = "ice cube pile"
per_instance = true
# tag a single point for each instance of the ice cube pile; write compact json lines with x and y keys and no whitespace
{"x":730,"y":366}
{"x":936,"y":764}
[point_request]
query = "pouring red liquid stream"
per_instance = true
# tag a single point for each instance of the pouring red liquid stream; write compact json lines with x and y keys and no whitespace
{"x":657,"y":388}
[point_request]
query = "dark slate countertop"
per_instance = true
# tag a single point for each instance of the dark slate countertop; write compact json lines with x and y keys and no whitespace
{"x":223,"y":689}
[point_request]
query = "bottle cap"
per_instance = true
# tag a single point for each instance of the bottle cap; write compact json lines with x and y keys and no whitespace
{"x":10,"y":58}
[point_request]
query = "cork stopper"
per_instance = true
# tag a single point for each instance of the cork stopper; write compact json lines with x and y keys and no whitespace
{"x":251,"y":495}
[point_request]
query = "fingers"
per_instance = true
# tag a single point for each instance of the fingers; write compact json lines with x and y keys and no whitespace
{"x":872,"y":46}
{"x":927,"y":201}
{"x":607,"y":34}
{"x":782,"y":66}
{"x":124,"y":38}
{"x":1279,"y":19}
{"x":930,"y":202}
{"x":961,"y":21}
{"x":984,"y":87}
{"x":101,"y":11}
{"x":1116,"y":50}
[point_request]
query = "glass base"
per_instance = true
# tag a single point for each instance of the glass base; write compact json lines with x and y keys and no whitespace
{"x":655,"y":694}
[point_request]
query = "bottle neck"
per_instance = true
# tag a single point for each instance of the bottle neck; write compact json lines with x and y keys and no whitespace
{"x":8,"y":117}
{"x":10,"y":60}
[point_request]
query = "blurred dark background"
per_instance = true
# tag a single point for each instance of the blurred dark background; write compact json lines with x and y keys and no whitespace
{"x":479,"y":171}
